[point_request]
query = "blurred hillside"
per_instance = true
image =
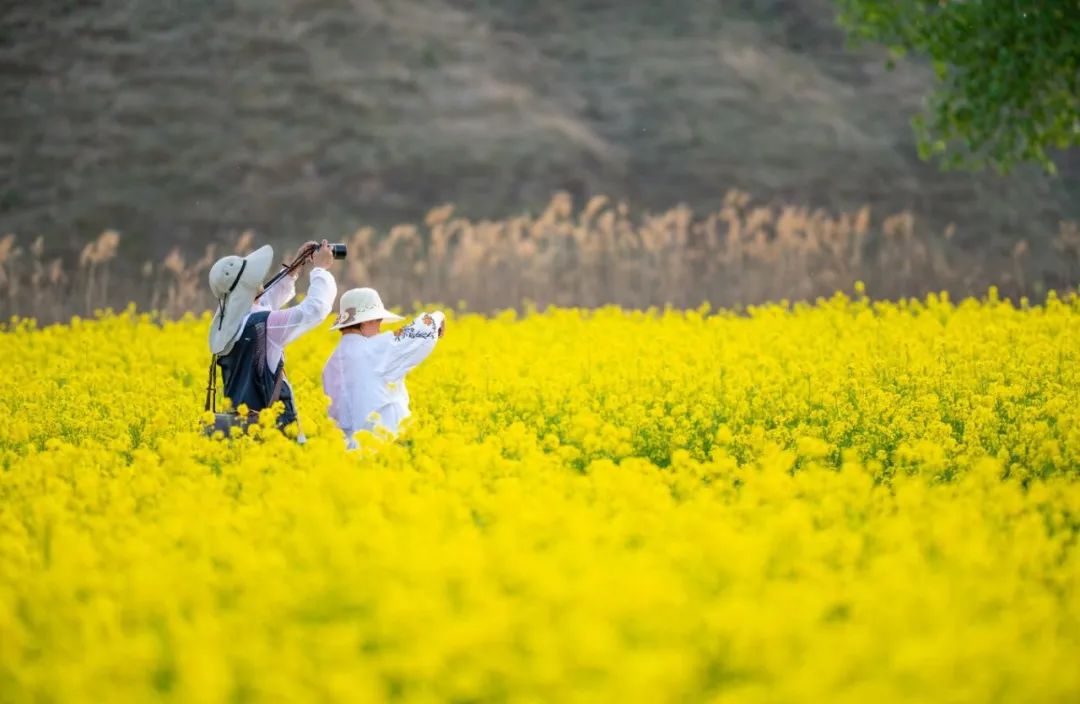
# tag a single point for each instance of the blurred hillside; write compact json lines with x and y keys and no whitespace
{"x":183,"y":122}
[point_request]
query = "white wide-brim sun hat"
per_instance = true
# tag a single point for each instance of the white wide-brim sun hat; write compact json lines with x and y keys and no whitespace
{"x":359,"y":305}
{"x":235,"y":281}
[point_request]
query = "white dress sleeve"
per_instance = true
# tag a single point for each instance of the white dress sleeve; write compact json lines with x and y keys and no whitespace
{"x":284,"y":326}
{"x":411,"y":345}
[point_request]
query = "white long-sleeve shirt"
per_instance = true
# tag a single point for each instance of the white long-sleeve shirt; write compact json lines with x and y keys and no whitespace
{"x":284,"y":325}
{"x":365,"y":376}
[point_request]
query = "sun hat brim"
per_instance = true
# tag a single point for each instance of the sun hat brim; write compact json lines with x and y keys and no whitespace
{"x":350,"y":316}
{"x":225,"y":325}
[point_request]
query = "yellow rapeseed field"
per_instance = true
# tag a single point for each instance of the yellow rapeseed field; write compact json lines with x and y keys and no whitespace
{"x":849,"y":501}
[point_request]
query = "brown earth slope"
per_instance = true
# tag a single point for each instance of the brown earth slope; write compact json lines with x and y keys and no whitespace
{"x":180,"y":121}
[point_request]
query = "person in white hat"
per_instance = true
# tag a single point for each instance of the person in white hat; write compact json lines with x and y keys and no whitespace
{"x":248,"y":337}
{"x":365,"y":375}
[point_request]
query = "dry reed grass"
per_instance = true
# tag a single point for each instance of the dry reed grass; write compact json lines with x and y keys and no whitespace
{"x":742,"y":254}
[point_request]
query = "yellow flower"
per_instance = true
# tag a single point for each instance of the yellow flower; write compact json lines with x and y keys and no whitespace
{"x":834,"y":502}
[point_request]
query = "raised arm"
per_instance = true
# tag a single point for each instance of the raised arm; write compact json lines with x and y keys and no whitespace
{"x":412,"y":344}
{"x":278,"y":296}
{"x":284,"y":326}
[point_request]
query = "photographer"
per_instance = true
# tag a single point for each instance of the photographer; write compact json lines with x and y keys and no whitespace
{"x":248,"y":336}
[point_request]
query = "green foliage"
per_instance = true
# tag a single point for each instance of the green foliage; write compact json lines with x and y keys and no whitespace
{"x":1009,"y":74}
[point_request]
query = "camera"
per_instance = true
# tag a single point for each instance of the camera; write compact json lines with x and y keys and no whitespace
{"x":339,"y":250}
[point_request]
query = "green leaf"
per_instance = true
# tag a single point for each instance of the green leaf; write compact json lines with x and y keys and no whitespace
{"x":1008,"y":74}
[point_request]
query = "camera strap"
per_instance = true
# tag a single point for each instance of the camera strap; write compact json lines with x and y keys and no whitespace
{"x":211,"y":386}
{"x":278,"y":378}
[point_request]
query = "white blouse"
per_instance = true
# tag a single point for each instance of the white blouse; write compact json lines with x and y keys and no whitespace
{"x":286,"y":324}
{"x":365,"y":376}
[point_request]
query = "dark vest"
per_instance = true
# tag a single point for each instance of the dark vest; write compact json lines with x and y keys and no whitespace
{"x":247,"y":377}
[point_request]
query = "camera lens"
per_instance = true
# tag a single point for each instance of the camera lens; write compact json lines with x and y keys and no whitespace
{"x":339,"y":250}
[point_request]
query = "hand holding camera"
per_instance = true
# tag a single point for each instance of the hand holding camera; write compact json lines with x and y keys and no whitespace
{"x":323,"y":255}
{"x":320,"y":254}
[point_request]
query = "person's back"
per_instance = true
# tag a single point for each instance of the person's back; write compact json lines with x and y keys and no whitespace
{"x":247,"y":377}
{"x":365,"y":375}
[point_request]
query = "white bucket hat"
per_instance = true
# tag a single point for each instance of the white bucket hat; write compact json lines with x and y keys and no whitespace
{"x":359,"y":305}
{"x":235,"y":282}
